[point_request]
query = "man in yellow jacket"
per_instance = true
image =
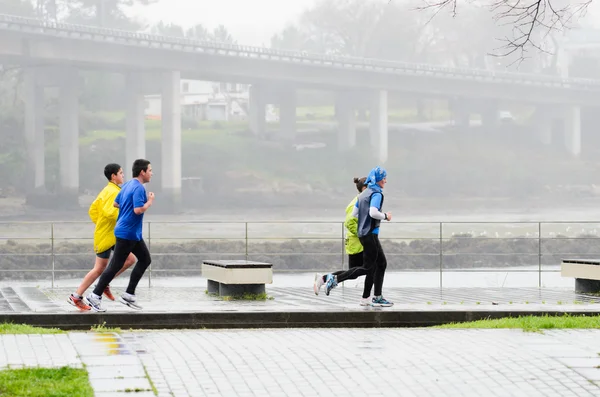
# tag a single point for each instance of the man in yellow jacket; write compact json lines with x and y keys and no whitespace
{"x":104,"y":215}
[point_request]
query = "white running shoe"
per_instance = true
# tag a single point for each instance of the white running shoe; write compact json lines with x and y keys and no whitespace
{"x":94,"y":303}
{"x":129,"y":300}
{"x":318,"y":283}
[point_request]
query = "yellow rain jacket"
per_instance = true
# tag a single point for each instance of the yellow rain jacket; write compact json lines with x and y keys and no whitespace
{"x":353,"y":245}
{"x":104,"y":215}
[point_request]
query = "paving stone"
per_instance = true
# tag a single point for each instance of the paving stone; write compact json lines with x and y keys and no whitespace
{"x":124,"y":394}
{"x":578,"y":362}
{"x":592,"y":374}
{"x":101,"y":385}
{"x":121,"y":371}
{"x":109,"y":360}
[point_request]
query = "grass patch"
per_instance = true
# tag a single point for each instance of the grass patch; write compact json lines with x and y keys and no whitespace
{"x":244,"y":297}
{"x":93,"y":136}
{"x":198,"y":135}
{"x":103,"y":328}
{"x":533,"y":323}
{"x":248,"y":297}
{"x":10,"y":328}
{"x":45,"y":382}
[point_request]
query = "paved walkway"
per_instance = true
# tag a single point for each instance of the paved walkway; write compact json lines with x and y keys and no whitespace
{"x":27,"y":299}
{"x":315,"y":362}
{"x":288,"y":307}
{"x":323,"y":362}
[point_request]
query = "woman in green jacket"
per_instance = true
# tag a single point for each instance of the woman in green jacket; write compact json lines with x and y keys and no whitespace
{"x":354,"y":248}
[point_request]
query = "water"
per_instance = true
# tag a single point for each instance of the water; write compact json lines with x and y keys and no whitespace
{"x":476,"y":278}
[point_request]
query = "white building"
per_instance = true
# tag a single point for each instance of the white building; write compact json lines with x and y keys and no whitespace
{"x":205,"y":100}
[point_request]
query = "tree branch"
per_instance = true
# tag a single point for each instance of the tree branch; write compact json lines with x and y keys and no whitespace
{"x":527,"y":18}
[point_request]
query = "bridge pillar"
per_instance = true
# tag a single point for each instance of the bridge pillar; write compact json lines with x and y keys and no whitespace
{"x":346,"y":118}
{"x":257,"y":111}
{"x":34,"y":131}
{"x":135,"y":139}
{"x":461,"y":116}
{"x":287,"y":114}
{"x":69,"y":137}
{"x":544,"y":130}
{"x":573,"y":130}
{"x":461,"y":112}
{"x":489,"y":115}
{"x":543,"y":123}
{"x":171,"y":141}
{"x":379,"y":125}
{"x":563,"y":62}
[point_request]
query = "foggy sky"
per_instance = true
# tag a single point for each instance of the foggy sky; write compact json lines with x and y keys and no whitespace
{"x":254,"y":22}
{"x":250,"y":22}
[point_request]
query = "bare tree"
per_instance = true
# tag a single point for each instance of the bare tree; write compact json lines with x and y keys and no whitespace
{"x":47,"y":9}
{"x":532,"y":21}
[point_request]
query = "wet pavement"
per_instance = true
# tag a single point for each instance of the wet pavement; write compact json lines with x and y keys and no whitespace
{"x":170,"y":306}
{"x":173,"y":307}
{"x":323,"y":362}
{"x":289,"y":297}
{"x":257,"y":360}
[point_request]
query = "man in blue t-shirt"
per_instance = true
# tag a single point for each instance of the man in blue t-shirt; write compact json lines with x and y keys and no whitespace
{"x":132,"y":202}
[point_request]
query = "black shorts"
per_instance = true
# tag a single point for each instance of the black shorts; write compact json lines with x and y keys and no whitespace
{"x":105,"y":254}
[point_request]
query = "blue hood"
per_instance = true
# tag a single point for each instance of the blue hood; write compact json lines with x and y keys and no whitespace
{"x":376,"y":175}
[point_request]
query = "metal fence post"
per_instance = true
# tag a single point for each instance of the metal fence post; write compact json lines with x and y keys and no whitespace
{"x":150,"y":250}
{"x":52,"y":247}
{"x":246,"y":238}
{"x":343,"y":249}
{"x":441,"y":256}
{"x":539,"y":254}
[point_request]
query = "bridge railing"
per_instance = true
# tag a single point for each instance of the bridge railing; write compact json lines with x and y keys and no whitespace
{"x":35,"y":25}
{"x":438,"y":250}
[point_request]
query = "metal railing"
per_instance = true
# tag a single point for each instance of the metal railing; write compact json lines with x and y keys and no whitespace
{"x":64,"y":249}
{"x":60,"y":29}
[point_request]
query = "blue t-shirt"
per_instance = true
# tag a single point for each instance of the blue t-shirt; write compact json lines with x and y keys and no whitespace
{"x":129,"y":225}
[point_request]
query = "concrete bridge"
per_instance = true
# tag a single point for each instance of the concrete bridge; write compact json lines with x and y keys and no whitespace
{"x":53,"y":53}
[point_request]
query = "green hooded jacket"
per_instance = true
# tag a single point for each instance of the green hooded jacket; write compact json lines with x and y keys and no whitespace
{"x":353,"y":245}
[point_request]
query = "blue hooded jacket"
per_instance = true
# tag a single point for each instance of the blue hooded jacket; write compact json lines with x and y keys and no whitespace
{"x":372,"y":196}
